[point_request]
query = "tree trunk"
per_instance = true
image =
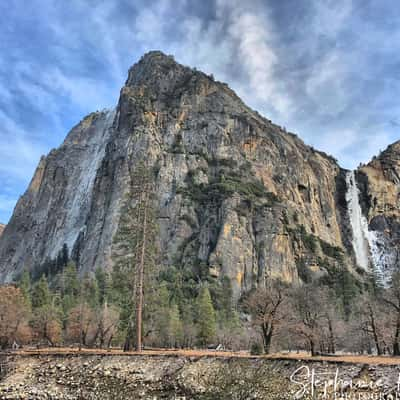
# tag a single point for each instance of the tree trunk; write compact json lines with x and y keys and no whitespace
{"x":127,"y":344}
{"x":47,"y":336}
{"x":101,"y":344}
{"x":396,"y":349}
{"x":139,"y":303}
{"x":396,"y":346}
{"x":109,"y":341}
{"x":130,"y":329}
{"x":312,"y":348}
{"x":375,"y":334}
{"x":331,"y":345}
{"x":129,"y":335}
{"x":84,"y":337}
{"x":267,"y":337}
{"x":80,"y":317}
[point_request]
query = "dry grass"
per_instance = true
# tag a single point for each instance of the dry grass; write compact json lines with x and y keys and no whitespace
{"x":352,"y":359}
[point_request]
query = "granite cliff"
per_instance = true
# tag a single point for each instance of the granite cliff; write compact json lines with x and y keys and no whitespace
{"x":237,"y":195}
{"x":380,"y":188}
{"x":2,"y":228}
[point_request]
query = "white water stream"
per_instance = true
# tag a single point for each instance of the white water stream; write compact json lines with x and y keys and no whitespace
{"x":369,"y":246}
{"x":359,"y":224}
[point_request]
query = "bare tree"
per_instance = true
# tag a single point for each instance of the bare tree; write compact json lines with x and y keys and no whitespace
{"x":46,"y":324}
{"x":367,"y":316}
{"x":308,"y":315}
{"x":391,"y":297}
{"x":14,"y":316}
{"x":265,"y":306}
{"x":331,"y":321}
{"x":81,"y":324}
{"x":106,"y":325}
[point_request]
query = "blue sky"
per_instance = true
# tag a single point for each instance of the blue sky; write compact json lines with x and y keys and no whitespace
{"x":327,"y":70}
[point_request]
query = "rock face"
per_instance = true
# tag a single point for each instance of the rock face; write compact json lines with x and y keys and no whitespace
{"x":237,"y":194}
{"x":2,"y":227}
{"x":380,"y":187}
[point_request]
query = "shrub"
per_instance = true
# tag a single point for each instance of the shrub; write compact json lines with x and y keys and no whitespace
{"x":331,"y":251}
{"x":303,"y":271}
{"x":225,"y":187}
{"x":256,"y":349}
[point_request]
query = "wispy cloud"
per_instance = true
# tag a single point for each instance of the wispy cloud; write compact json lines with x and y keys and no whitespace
{"x":18,"y":151}
{"x":254,"y":42}
{"x":327,"y":84}
{"x":19,"y":154}
{"x":330,"y":17}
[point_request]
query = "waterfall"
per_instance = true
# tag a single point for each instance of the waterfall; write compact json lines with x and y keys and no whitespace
{"x":367,"y":244}
{"x":359,"y":224}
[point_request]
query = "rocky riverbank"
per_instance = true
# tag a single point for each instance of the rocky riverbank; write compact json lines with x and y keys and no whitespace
{"x":175,"y":377}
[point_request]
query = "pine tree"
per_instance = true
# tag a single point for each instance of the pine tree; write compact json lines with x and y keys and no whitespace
{"x":71,"y":280}
{"x":62,"y":259}
{"x":46,"y":312}
{"x":135,"y":251}
{"x":347,"y":289}
{"x":41,"y":295}
{"x":206,"y":319}
{"x":157,"y":315}
{"x":103,"y":284}
{"x":187,"y":310}
{"x":89,"y":292}
{"x":69,"y":288}
{"x":175,"y":331}
{"x":24,"y":285}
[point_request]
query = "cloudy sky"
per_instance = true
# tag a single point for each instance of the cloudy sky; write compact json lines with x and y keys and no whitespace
{"x":325,"y":69}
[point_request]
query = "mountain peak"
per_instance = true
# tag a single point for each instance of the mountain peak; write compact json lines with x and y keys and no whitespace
{"x":393,"y":148}
{"x":219,"y":167}
{"x":389,"y":155}
{"x":153,"y":67}
{"x":157,"y":55}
